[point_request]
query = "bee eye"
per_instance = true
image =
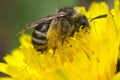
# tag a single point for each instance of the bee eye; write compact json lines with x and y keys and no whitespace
{"x":84,"y":21}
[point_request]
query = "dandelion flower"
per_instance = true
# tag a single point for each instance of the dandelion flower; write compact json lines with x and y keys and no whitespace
{"x":88,"y":55}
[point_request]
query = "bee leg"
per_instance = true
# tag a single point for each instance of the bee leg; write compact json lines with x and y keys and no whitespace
{"x":54,"y":50}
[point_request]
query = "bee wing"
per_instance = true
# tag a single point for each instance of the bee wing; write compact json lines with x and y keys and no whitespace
{"x":55,"y":26}
{"x":36,"y":23}
{"x":53,"y":34}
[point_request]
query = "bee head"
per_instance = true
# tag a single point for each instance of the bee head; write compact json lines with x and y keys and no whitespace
{"x":81,"y":21}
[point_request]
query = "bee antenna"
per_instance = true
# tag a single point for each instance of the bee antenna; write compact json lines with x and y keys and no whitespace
{"x":100,"y":16}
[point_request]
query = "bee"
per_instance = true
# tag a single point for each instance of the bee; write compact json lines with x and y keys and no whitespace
{"x":47,"y":31}
{"x":118,"y":66}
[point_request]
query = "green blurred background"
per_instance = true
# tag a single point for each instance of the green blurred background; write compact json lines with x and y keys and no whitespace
{"x":15,"y":14}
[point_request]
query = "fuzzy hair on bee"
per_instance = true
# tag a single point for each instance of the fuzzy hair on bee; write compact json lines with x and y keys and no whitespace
{"x":63,"y":24}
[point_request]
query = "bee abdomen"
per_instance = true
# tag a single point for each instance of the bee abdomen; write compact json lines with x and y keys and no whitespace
{"x":39,"y":39}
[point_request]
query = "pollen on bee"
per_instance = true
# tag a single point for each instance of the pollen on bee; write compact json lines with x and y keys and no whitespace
{"x":51,"y":51}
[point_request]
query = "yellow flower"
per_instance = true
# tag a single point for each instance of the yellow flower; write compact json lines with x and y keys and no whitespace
{"x":88,"y":55}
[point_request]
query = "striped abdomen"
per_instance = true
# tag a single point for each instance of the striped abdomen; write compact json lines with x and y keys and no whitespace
{"x":39,"y":36}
